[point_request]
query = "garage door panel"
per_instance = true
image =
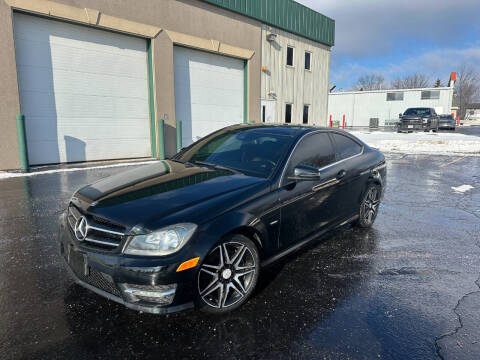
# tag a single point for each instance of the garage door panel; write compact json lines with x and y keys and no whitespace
{"x":221,"y":114}
{"x":41,"y":128}
{"x":208,"y":92}
{"x":105,"y":85}
{"x":73,"y":150}
{"x":38,"y":79}
{"x":34,"y":79}
{"x":37,"y":149}
{"x":84,"y":92}
{"x":104,"y":131}
{"x":212,"y":96}
{"x":41,"y":30}
{"x":212,"y":62}
{"x":84,"y":106}
{"x":41,"y":54}
{"x":98,"y":62}
{"x":32,"y":53}
{"x":203,"y":78}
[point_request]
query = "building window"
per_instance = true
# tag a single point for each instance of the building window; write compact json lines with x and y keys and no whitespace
{"x":306,"y":109}
{"x":288,"y":113}
{"x":289,"y":56}
{"x":264,"y":108}
{"x":395,"y":96}
{"x":430,"y":95}
{"x":308,"y":59}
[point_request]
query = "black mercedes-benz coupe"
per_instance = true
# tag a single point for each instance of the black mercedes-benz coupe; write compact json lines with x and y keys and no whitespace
{"x":197,"y":229}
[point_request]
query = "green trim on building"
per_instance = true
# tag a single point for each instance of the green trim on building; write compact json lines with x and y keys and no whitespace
{"x":161,"y":138}
{"x":179,"y":135}
{"x":245,"y":92}
{"x":22,"y":142}
{"x":151,"y":99}
{"x":287,"y":15}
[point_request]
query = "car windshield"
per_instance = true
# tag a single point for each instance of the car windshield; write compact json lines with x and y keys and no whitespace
{"x":447,"y":117}
{"x":254,"y":152}
{"x":417,"y":111}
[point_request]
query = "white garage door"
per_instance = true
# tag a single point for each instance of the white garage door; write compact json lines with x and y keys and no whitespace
{"x":208,"y":92}
{"x":83,"y":91}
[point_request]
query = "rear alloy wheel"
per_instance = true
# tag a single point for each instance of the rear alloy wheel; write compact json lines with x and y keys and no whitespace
{"x":369,"y":206}
{"x":228,"y":275}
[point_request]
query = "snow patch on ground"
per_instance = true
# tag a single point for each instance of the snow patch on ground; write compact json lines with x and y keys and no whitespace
{"x":422,"y":143}
{"x":462,"y":188}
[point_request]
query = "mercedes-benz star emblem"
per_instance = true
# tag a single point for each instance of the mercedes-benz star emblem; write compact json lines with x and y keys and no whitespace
{"x":81,"y":228}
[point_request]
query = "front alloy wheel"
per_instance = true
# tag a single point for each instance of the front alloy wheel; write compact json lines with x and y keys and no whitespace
{"x":369,"y":206}
{"x":228,"y":275}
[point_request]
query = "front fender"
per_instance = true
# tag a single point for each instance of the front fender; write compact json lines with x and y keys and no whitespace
{"x":238,"y":222}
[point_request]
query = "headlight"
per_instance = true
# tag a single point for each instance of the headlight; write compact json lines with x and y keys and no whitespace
{"x":166,"y":241}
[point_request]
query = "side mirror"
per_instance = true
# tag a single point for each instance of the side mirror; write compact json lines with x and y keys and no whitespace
{"x":400,"y":115}
{"x":305,"y":173}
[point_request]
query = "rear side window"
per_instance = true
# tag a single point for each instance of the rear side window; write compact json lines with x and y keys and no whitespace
{"x":315,"y":150}
{"x":345,"y":147}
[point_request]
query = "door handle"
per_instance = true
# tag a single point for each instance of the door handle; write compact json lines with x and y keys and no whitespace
{"x":341,"y":174}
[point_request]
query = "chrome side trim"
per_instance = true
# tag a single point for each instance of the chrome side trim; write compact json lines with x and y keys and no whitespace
{"x":325,"y":185}
{"x":323,"y":168}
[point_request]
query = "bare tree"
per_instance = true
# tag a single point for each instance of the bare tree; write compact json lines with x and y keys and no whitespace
{"x":414,"y":81}
{"x":370,"y":82}
{"x":467,"y":87}
{"x":438,"y":83}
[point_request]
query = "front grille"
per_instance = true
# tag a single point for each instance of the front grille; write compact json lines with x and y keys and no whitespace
{"x":93,"y":277}
{"x":99,"y":233}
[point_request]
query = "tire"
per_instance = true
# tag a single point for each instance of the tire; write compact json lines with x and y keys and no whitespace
{"x":228,"y":275}
{"x":369,"y":206}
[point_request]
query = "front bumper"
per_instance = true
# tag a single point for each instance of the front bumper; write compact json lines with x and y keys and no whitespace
{"x":120,"y":278}
{"x":413,"y":127}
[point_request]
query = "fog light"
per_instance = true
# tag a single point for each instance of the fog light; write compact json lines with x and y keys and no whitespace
{"x":160,"y":294}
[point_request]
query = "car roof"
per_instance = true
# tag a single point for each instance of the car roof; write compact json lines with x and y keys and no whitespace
{"x":280,"y":129}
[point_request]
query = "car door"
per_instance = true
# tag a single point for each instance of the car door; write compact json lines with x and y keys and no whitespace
{"x":305,"y":204}
{"x":349,"y":163}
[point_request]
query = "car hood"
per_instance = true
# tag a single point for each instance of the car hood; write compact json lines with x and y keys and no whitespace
{"x":154,"y":195}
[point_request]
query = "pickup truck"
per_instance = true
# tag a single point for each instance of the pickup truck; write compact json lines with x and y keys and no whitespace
{"x":415,"y":119}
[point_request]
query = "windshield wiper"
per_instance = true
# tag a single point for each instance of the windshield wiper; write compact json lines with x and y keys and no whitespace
{"x":176,"y":160}
{"x":215,"y":166}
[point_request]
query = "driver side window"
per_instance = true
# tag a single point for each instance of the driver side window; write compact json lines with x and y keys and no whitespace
{"x":314,"y":150}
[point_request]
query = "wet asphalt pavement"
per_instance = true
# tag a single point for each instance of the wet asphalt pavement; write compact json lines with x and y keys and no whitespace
{"x":407,"y":288}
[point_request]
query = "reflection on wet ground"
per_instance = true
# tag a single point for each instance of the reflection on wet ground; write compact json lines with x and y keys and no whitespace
{"x":397,"y":290}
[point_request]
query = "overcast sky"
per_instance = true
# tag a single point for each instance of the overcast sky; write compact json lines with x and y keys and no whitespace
{"x":400,"y":37}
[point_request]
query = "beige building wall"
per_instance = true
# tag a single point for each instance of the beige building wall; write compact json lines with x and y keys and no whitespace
{"x":295,"y":85}
{"x":191,"y":22}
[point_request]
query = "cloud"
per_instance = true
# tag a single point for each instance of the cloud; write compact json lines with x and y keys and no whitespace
{"x":397,"y":38}
{"x":365,"y":28}
{"x":437,"y":64}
